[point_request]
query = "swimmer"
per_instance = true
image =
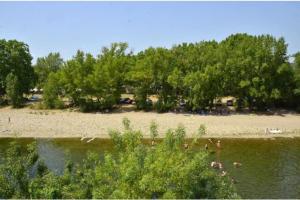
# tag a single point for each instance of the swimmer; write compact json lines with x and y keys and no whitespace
{"x":223,"y":173}
{"x":186,"y":146}
{"x":206,"y":147}
{"x":152,"y":143}
{"x":237,"y":164}
{"x":216,"y":165}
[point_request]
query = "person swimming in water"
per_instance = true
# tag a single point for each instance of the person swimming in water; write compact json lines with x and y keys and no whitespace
{"x":186,"y":146}
{"x":224,"y":173}
{"x":206,"y":147}
{"x":152,"y":143}
{"x":237,"y":164}
{"x":216,"y":165}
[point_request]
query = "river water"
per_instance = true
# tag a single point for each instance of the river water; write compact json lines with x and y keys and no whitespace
{"x":270,"y":167}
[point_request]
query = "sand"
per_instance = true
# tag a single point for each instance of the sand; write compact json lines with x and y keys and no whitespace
{"x":27,"y":122}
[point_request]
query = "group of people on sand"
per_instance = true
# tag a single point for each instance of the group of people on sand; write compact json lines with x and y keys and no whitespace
{"x":219,"y":165}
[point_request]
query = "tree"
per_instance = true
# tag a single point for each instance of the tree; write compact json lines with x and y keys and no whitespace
{"x":253,"y":69}
{"x":75,"y":78}
{"x":14,"y":168}
{"x":108,"y":77}
{"x":296,"y":69}
{"x":15,"y":58}
{"x":13,"y":90}
{"x":53,"y":91}
{"x":45,"y":65}
{"x":150,"y":76}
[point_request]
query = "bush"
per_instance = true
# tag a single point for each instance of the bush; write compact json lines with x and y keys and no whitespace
{"x":161,"y":106}
{"x":133,"y":170}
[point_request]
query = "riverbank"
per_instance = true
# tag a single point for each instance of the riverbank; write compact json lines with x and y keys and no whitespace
{"x":66,"y":124}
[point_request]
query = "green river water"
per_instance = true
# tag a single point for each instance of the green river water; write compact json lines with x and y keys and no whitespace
{"x":270,"y":167}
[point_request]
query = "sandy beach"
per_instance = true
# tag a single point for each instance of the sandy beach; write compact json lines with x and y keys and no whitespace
{"x":63,"y":123}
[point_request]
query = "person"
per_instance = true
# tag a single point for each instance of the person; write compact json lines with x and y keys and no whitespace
{"x":186,"y":146}
{"x":152,"y":143}
{"x":206,"y":147}
{"x":8,"y":119}
{"x":216,"y":165}
{"x":237,"y":164}
{"x":220,"y":165}
{"x":266,"y":130}
{"x":233,"y":181}
{"x":213,"y":164}
{"x":223,"y":173}
{"x":219,"y":144}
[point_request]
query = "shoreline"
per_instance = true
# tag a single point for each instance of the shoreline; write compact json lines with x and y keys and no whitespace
{"x":30,"y":123}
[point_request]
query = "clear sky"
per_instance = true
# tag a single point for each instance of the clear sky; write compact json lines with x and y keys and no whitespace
{"x":67,"y":26}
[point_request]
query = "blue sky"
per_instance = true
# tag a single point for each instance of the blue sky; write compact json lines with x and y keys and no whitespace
{"x":67,"y":26}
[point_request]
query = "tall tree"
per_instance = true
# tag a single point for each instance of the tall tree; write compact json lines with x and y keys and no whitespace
{"x":13,"y":90}
{"x":15,"y":58}
{"x":45,"y":65}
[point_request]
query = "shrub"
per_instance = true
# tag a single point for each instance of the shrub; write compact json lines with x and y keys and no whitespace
{"x":132,"y":170}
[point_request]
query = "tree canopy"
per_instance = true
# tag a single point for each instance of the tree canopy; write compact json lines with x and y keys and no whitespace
{"x":16,"y":72}
{"x":45,"y":65}
{"x":255,"y":70}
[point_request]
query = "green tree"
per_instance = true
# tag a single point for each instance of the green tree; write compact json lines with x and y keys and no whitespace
{"x":13,"y":90}
{"x":53,"y":91}
{"x":108,"y":77}
{"x":16,"y":59}
{"x":296,"y":69}
{"x":14,"y":168}
{"x":45,"y":65}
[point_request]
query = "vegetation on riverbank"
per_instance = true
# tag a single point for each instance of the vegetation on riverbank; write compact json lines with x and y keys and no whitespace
{"x":132,"y":170}
{"x":255,"y":70}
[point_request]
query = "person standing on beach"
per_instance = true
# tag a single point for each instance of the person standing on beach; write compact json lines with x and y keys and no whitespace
{"x":8,"y":119}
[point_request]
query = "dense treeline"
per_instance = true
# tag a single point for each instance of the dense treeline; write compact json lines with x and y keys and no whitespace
{"x":132,"y":170}
{"x":256,"y":70}
{"x":253,"y":69}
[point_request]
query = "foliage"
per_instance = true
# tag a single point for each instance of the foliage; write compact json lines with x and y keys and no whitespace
{"x":13,"y":90}
{"x":253,"y":69}
{"x":132,"y":170}
{"x":92,"y":83}
{"x":15,"y":59}
{"x":45,"y":65}
{"x":153,"y":130}
{"x":14,"y":176}
{"x":52,"y":91}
